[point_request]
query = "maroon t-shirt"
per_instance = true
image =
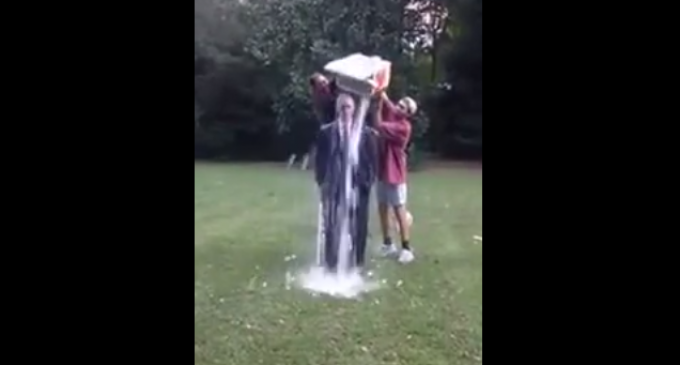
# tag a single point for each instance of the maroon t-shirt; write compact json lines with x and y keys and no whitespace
{"x":395,"y":131}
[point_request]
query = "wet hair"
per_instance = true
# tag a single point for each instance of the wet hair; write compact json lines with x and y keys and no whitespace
{"x":339,"y":100}
{"x":314,"y":77}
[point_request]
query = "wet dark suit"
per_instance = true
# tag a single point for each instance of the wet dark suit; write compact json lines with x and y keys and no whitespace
{"x":329,"y":170}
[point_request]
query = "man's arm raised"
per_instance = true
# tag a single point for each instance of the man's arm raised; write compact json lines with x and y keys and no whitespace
{"x":390,"y":130}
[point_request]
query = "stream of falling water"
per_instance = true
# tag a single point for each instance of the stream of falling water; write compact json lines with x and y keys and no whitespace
{"x":349,"y":203}
{"x":346,"y":282}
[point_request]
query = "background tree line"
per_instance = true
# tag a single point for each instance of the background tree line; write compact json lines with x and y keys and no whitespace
{"x":252,"y":60}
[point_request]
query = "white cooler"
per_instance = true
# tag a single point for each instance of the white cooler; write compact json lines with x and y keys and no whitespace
{"x":361,"y":74}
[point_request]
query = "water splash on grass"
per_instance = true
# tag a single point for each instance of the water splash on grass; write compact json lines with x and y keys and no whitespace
{"x":341,"y":285}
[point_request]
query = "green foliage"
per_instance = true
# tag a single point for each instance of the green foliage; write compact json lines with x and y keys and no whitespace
{"x":459,"y":128}
{"x":253,"y":59}
{"x":300,"y":36}
{"x":416,"y":157}
{"x":420,"y":125}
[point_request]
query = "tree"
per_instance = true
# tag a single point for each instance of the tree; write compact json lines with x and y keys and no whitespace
{"x":253,"y":59}
{"x":458,"y":131}
{"x":231,"y":89}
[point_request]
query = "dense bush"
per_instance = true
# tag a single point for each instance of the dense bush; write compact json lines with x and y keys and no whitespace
{"x":252,"y":60}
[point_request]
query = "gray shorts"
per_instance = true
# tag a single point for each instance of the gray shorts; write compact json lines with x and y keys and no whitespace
{"x":391,"y":194}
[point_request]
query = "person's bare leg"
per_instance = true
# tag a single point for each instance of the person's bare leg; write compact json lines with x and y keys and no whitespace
{"x":404,"y":227}
{"x":384,"y":221}
{"x":406,"y":254}
{"x":387,"y":248}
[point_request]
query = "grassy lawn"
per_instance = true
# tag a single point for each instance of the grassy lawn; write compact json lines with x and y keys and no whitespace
{"x":248,"y":218}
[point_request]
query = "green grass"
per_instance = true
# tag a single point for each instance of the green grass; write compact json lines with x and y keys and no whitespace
{"x":248,"y":218}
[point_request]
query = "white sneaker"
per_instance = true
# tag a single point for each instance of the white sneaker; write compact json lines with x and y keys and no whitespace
{"x":406,"y":256}
{"x":388,"y":251}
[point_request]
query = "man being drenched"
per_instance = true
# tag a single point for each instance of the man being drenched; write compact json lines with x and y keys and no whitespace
{"x":394,"y":129}
{"x":330,"y":165}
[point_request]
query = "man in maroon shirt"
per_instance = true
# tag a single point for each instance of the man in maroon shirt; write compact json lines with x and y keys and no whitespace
{"x":395,"y":131}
